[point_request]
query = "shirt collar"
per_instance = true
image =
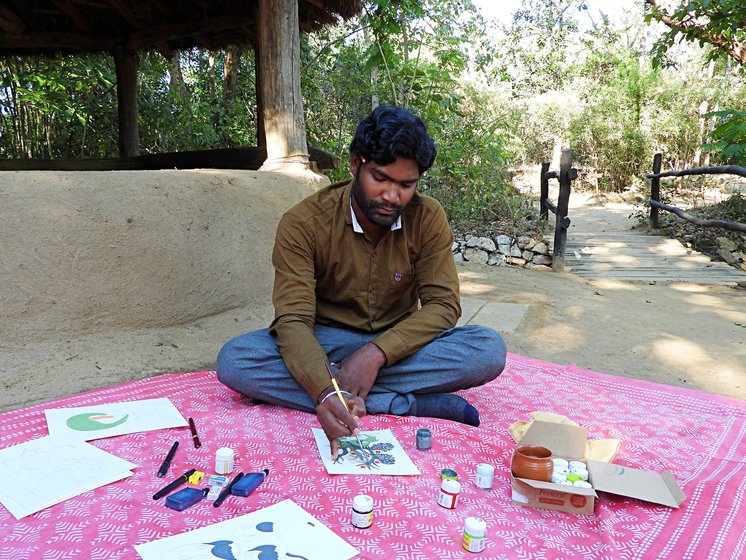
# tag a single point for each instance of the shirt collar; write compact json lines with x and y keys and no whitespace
{"x":356,"y":225}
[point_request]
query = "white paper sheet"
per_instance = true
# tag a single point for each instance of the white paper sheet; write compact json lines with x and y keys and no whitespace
{"x":112,"y":419}
{"x":43,"y":472}
{"x":381,"y":454}
{"x":283,"y":530}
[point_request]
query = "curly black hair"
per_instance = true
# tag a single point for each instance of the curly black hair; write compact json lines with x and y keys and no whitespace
{"x":394,"y":132}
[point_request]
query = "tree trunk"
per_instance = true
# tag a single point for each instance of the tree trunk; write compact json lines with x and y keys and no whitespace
{"x":230,"y":79}
{"x":176,"y":82}
{"x":279,"y":81}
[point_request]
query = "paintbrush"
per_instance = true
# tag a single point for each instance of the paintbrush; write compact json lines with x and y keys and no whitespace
{"x":344,"y":403}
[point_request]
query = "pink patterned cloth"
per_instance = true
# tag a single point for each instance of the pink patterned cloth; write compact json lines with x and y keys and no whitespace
{"x":700,"y":437}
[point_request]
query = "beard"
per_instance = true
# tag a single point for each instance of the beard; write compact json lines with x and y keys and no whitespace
{"x":370,"y":208}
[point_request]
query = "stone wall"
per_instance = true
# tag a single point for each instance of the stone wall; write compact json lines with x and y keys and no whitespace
{"x":503,"y":250}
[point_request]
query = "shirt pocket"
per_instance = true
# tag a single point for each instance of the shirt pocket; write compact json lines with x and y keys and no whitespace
{"x":398,"y":284}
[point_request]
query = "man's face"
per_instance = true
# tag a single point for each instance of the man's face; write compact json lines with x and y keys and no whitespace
{"x":381,"y":192}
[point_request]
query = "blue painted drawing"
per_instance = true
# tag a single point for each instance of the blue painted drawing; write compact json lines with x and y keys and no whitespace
{"x":372,"y":455}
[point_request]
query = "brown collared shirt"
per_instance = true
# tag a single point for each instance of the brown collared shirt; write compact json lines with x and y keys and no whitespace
{"x":328,"y":274}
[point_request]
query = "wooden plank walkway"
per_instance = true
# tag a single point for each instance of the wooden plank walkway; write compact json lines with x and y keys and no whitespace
{"x":632,"y":256}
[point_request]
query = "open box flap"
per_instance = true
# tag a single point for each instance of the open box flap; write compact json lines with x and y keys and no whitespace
{"x":558,"y":487}
{"x":632,"y":483}
{"x":562,"y":440}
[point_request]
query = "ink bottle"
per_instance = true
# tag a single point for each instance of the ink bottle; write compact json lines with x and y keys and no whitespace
{"x":449,"y":491}
{"x":424,"y":439}
{"x":484,"y":476}
{"x":224,"y":460}
{"x":475,"y":531}
{"x":185,"y":498}
{"x":362,"y":511}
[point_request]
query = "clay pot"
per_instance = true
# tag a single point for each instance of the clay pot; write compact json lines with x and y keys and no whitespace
{"x":533,"y":462}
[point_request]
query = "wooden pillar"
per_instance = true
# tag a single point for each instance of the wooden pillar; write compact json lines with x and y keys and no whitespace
{"x":655,"y":190}
{"x":129,"y":134}
{"x":261,"y":139}
{"x":278,"y":83}
{"x":544,"y":192}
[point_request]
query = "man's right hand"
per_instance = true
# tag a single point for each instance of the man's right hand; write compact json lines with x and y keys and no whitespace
{"x":339,"y":420}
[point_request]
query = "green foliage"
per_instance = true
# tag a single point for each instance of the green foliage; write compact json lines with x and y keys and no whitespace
{"x":56,"y":108}
{"x":718,"y":24}
{"x":414,"y":54}
{"x":729,"y":137}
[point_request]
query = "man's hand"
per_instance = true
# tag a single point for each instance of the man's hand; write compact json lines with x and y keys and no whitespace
{"x":359,"y":370}
{"x":340,"y":420}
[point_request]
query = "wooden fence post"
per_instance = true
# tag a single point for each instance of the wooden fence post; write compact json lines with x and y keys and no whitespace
{"x":544,"y":194}
{"x":566,"y":176}
{"x":655,"y":191}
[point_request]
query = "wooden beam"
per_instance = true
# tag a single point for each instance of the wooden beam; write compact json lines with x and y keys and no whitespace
{"x":67,"y":8}
{"x":60,"y":41}
{"x":129,"y":133}
{"x":10,"y":22}
{"x":225,"y":158}
{"x":123,"y":9}
{"x":168,"y":32}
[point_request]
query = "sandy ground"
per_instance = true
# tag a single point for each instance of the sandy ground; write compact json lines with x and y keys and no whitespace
{"x":679,"y":334}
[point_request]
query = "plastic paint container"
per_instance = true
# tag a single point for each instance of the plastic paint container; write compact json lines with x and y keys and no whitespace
{"x":424,"y":439}
{"x":484,"y":476}
{"x":449,"y":491}
{"x":362,"y":511}
{"x":448,"y":474}
{"x":224,"y":460}
{"x":475,"y":533}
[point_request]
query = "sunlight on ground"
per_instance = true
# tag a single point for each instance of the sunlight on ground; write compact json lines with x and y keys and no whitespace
{"x":679,"y":352}
{"x":615,"y":285}
{"x":689,"y":287}
{"x":475,"y":288}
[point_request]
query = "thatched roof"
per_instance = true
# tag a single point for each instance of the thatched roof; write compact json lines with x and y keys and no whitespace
{"x":44,"y":26}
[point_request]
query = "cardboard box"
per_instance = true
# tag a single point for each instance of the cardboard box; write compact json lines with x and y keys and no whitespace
{"x":568,"y":442}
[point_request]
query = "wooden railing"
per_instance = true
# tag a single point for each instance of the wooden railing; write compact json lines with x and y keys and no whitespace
{"x":655,"y":194}
{"x":566,"y":175}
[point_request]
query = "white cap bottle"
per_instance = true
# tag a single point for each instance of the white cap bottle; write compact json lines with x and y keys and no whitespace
{"x":224,"y":460}
{"x":475,"y":534}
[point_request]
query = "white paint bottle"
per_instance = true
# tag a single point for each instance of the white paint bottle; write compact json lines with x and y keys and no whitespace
{"x":224,"y":460}
{"x":449,"y":491}
{"x":362,"y":511}
{"x":484,"y":476}
{"x":475,"y":534}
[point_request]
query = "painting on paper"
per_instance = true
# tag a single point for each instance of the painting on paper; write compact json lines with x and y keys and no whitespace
{"x":112,"y":419}
{"x":283,"y":530}
{"x":381,"y":453}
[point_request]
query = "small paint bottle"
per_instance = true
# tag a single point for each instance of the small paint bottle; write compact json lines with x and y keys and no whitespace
{"x":484,"y":476}
{"x":449,"y":491}
{"x":424,"y":439}
{"x":224,"y":460}
{"x":448,"y":474}
{"x":475,"y":534}
{"x":362,"y":511}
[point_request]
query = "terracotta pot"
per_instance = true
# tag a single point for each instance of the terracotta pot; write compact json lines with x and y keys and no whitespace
{"x":531,"y":461}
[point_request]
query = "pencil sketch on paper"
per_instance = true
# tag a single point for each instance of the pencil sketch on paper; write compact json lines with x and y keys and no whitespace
{"x":42,"y":472}
{"x":381,"y":453}
{"x":113,"y":419}
{"x":280,"y":531}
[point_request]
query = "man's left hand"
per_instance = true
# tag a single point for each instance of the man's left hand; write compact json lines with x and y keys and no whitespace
{"x":359,"y":370}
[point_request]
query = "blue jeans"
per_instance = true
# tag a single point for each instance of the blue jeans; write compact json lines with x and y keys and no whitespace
{"x":459,"y":358}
